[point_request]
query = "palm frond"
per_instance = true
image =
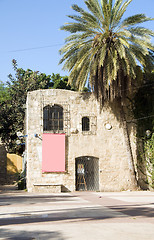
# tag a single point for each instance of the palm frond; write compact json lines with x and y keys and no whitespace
{"x":77,"y":18}
{"x":141,"y":31}
{"x":115,"y":10}
{"x":103,"y":49}
{"x":94,"y":8}
{"x":135,"y":19}
{"x":76,"y":27}
{"x":120,"y":12}
{"x":76,"y":8}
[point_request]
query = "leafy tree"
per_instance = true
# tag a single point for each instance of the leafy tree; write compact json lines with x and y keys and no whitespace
{"x":4,"y":94}
{"x":143,"y":108}
{"x":13,"y":99}
{"x":60,"y":82}
{"x":104,"y":50}
{"x":4,"y":109}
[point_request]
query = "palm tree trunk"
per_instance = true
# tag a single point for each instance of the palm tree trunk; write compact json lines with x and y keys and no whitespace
{"x":133,"y":178}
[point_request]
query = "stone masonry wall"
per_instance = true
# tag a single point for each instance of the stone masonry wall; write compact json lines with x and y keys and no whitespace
{"x":106,"y":145}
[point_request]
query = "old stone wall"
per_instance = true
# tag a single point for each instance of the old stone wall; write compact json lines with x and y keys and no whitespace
{"x":108,"y":145}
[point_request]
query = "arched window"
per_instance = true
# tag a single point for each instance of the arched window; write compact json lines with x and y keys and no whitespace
{"x":53,"y":118}
{"x":85,"y":124}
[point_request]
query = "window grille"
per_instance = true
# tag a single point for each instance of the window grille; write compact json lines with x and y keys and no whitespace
{"x":85,"y":124}
{"x":53,"y":118}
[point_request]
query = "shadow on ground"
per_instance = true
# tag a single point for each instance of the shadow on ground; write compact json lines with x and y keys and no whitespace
{"x":85,"y":214}
{"x":10,"y":200}
{"x":78,"y":214}
{"x":29,"y":235}
{"x":135,"y":210}
{"x":70,"y":208}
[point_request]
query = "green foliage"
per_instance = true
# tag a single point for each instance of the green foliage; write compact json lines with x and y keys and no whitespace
{"x":144,"y":113}
{"x":5,"y":110}
{"x":104,"y":49}
{"x":21,"y":180}
{"x":143,"y":105}
{"x":149,"y":155}
{"x":4,"y":93}
{"x":13,"y":99}
{"x":60,"y":82}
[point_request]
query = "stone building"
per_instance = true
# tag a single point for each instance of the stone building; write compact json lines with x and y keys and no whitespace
{"x":73,"y":145}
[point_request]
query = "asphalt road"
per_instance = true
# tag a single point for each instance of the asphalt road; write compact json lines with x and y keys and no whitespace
{"x":77,"y":215}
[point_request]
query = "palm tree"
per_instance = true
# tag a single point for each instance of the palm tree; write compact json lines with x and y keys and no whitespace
{"x":104,"y":49}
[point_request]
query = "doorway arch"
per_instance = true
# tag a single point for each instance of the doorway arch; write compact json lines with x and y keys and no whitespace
{"x":87,"y":173}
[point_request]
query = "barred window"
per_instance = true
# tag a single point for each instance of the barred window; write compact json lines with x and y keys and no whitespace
{"x":85,"y":124}
{"x":52,"y":118}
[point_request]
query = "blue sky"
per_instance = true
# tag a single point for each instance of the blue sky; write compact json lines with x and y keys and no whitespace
{"x":30,"y":32}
